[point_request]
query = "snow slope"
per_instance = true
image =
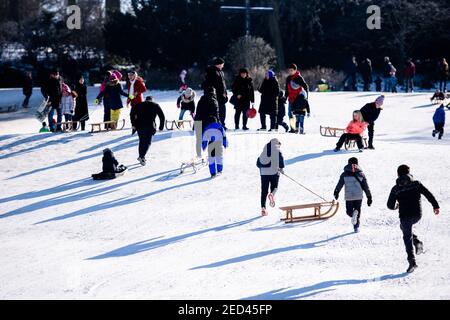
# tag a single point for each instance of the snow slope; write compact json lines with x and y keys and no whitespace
{"x":155,"y":235}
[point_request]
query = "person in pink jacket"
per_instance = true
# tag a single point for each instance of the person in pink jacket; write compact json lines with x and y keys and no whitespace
{"x":354,"y":131}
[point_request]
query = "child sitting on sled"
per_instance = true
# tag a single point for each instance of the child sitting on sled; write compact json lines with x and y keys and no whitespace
{"x":354,"y":131}
{"x":438,"y":96}
{"x":270,"y":164}
{"x":111,"y":167}
{"x":215,"y":140}
{"x":355,"y":183}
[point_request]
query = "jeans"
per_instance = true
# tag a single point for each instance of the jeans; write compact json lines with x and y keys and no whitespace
{"x":215,"y":158}
{"x":352,"y":206}
{"x":58,"y":119}
{"x":409,"y":84}
{"x":393,"y":81}
{"x":300,"y":122}
{"x":443,"y":84}
{"x":409,"y":238}
{"x":273,"y":121}
{"x":145,"y":140}
{"x":182,"y":112}
{"x":266,"y":182}
{"x":222,"y":113}
{"x":290,"y":115}
{"x":387,"y":84}
{"x":350,"y":136}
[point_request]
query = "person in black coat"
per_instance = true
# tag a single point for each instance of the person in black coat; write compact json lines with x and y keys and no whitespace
{"x":352,"y":70}
{"x":143,"y":120}
{"x":81,"y":105}
{"x":207,"y":109}
{"x":281,"y":111}
{"x":406,"y":197}
{"x":52,"y":91}
{"x":366,"y":72}
{"x":27,"y":88}
{"x":244,"y":95}
{"x":269,"y":90}
{"x":215,"y":78}
{"x":370,"y":113}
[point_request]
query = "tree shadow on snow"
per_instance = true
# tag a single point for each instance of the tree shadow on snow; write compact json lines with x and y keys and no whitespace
{"x":321,"y":287}
{"x":115,"y":203}
{"x":151,"y":244}
{"x":266,"y":253}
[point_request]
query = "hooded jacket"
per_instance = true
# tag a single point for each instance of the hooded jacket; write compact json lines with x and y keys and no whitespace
{"x":407,"y":192}
{"x":439,"y":115}
{"x":355,"y":183}
{"x":111,"y":94}
{"x":267,"y":164}
{"x":295,"y":84}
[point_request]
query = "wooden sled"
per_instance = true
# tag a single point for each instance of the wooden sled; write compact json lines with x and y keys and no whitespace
{"x":351,"y":144}
{"x":330,"y":207}
{"x":69,"y":126}
{"x":439,"y":101}
{"x":179,"y":124}
{"x":107,"y":126}
{"x":331,"y":132}
{"x":195,"y":164}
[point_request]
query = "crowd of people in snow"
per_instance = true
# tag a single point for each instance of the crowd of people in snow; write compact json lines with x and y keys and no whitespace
{"x":210,"y":128}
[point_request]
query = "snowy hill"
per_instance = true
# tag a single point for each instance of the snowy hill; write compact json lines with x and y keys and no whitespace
{"x":155,"y":235}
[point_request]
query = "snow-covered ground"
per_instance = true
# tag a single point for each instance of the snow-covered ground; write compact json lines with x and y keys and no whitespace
{"x":155,"y":235}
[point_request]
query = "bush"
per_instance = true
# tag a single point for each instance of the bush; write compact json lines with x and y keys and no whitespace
{"x":335,"y":79}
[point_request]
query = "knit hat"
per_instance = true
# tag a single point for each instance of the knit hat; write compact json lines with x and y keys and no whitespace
{"x":353,"y":160}
{"x":403,"y":170}
{"x":113,"y":77}
{"x":380,"y":100}
{"x":270,"y":74}
{"x":218,"y":61}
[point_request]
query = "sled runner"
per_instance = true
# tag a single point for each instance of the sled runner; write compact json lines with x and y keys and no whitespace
{"x":69,"y":126}
{"x":179,"y":124}
{"x":331,"y":132}
{"x":121,"y":170}
{"x":351,"y":144}
{"x":439,"y":101}
{"x":43,"y":110}
{"x":331,"y":208}
{"x":194,"y":163}
{"x":97,"y":127}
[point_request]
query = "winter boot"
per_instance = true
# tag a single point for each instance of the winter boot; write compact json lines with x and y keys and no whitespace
{"x":142,"y":161}
{"x":245,"y":129}
{"x":264,"y":212}
{"x":433,"y":133}
{"x":302,"y":130}
{"x":371,"y":147}
{"x":412,"y":266}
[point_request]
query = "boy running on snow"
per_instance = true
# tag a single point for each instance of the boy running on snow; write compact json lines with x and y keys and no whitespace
{"x":405,"y":196}
{"x":270,"y":164}
{"x":355,"y":183}
{"x":439,"y":121}
{"x":215,"y":140}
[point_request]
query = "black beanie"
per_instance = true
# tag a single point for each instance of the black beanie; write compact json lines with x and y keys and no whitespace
{"x":403,"y":170}
{"x":218,"y":61}
{"x":243,"y":70}
{"x":353,"y":161}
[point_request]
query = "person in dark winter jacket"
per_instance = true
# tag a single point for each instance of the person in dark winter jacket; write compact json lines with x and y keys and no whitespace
{"x":112,"y":98}
{"x":352,"y":70}
{"x":355,"y":183}
{"x":406,"y":197}
{"x":443,"y":72}
{"x":300,"y":108}
{"x":244,"y":95}
{"x":410,"y":72}
{"x":281,"y":112}
{"x":143,"y":116}
{"x":110,"y":167}
{"x":215,"y":139}
{"x":269,"y":100}
{"x":52,"y":90}
{"x":370,"y":113}
{"x":207,"y":109}
{"x":186,"y":102}
{"x":270,"y":164}
{"x":439,"y":121}
{"x":295,"y":85}
{"x":366,"y":72}
{"x":27,"y":88}
{"x":215,"y":78}
{"x":81,"y":105}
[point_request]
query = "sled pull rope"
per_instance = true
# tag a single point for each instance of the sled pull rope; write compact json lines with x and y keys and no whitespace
{"x":304,"y":187}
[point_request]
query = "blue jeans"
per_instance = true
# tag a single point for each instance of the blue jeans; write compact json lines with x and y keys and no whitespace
{"x":182,"y":112}
{"x":290,"y":110}
{"x":58,"y":118}
{"x":300,"y":121}
{"x":387,"y":84}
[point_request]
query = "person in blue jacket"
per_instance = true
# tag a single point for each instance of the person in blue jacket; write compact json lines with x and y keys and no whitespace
{"x":215,"y":140}
{"x":439,"y":121}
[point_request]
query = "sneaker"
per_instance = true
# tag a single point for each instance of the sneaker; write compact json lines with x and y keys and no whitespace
{"x":142,"y":161}
{"x":271,"y":199}
{"x":433,"y":133}
{"x":440,"y":138}
{"x":302,"y":131}
{"x":419,"y":247}
{"x":264,"y":212}
{"x":213,"y":176}
{"x":412,"y":266}
{"x":355,"y":217}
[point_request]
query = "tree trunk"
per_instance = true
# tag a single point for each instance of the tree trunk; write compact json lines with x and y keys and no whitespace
{"x":276,"y":34}
{"x":111,"y":6}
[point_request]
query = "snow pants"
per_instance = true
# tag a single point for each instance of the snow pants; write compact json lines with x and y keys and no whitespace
{"x":215,"y":159}
{"x":266,"y":183}
{"x":409,"y":238}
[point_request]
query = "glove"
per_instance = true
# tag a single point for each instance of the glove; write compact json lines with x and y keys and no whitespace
{"x":336,"y":195}
{"x":369,"y":202}
{"x":309,"y":115}
{"x":281,"y":170}
{"x":131,"y":97}
{"x":96,"y":102}
{"x":436,"y":211}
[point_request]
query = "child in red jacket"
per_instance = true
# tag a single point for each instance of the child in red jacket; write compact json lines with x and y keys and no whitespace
{"x":354,"y":131}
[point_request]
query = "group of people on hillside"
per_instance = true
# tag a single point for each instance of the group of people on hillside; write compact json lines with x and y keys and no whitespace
{"x":70,"y":102}
{"x":389,"y":76}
